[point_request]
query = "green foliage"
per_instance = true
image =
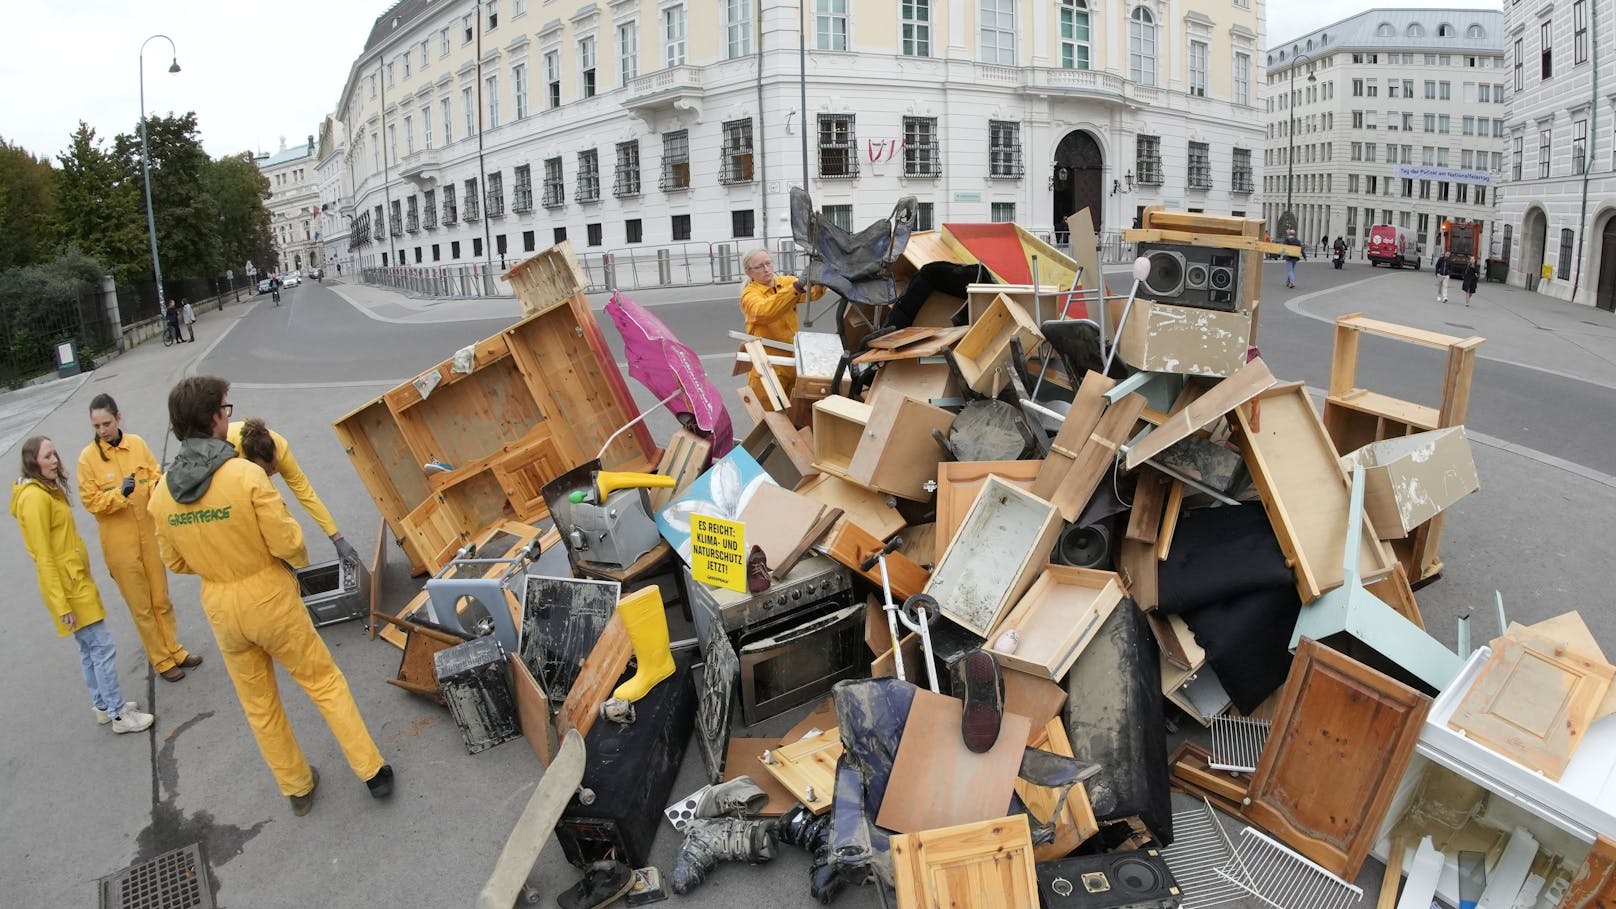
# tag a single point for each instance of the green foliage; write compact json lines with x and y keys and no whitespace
{"x":26,"y":204}
{"x":239,"y":190}
{"x":99,"y":210}
{"x":40,"y":305}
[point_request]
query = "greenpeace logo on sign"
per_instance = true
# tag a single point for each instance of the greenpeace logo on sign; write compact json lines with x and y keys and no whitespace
{"x":1449,"y":174}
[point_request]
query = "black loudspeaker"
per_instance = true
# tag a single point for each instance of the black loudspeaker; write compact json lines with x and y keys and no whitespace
{"x":1086,"y":545}
{"x":1138,"y":879}
{"x":1186,"y":275}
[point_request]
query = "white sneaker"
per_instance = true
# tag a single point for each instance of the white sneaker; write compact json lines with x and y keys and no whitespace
{"x":132,"y":720}
{"x":102,"y":717}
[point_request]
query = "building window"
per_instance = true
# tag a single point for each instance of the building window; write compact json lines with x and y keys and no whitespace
{"x":522,"y":198}
{"x":493,"y":14}
{"x":519,"y":87}
{"x":741,"y":223}
{"x":921,"y":157}
{"x":468,"y":30}
{"x":450,"y":213}
{"x":1198,"y":56}
{"x":738,"y":28}
{"x":470,"y":105}
{"x":1543,"y":145}
{"x":496,"y":195}
{"x":633,"y":230}
{"x":555,"y":187}
{"x":1147,"y":160}
{"x":491,"y":84}
{"x":558,"y":235}
{"x":1240,"y":176}
{"x":1579,"y":146}
{"x":1200,"y":175}
{"x":552,"y":77}
{"x":409,"y":135}
{"x":1002,"y":212}
{"x":592,"y":234}
{"x":673,"y":35}
{"x":675,"y":160}
{"x":996,"y":32}
{"x":735,"y":164}
{"x":437,"y":253}
{"x":830,"y":25}
{"x":1546,"y":54}
{"x":626,"y":178}
{"x":1074,"y":34}
{"x":1142,"y":46}
{"x":588,"y":177}
{"x":917,"y":28}
{"x":628,"y":51}
{"x":1520,"y":57}
{"x":448,"y":122}
{"x":1579,"y":32}
{"x":426,"y":126}
{"x":1242,"y":79}
{"x":838,"y":152}
{"x":476,"y":247}
{"x":472,"y":204}
{"x":1004,"y":149}
{"x":412,"y":215}
{"x":429,"y":211}
{"x":408,"y":68}
{"x":454,"y":250}
{"x":839,"y":215}
{"x":586,"y":62}
{"x":1567,"y":237}
{"x":681,"y":227}
{"x":925,"y":217}
{"x":1444,"y":91}
{"x":443,"y":43}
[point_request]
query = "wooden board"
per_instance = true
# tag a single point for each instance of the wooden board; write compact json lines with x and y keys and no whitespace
{"x":1395,"y":591}
{"x":1568,"y":630}
{"x":958,"y":482}
{"x":903,"y":337}
{"x":822,"y":717}
{"x":810,"y":763}
{"x":926,"y":381}
{"x":986,"y":865}
{"x":778,"y":520}
{"x":1001,"y":546}
{"x":1137,"y":564}
{"x":775,"y":397}
{"x":533,"y":712}
{"x":745,"y":758}
{"x":1251,"y":380}
{"x":1096,"y":456}
{"x":850,"y":545}
{"x":605,"y":665}
{"x":1056,"y":618}
{"x":548,"y":279}
{"x":936,"y":781}
{"x":1304,"y":490}
{"x":1533,"y":704}
{"x":940,"y":340}
{"x":986,"y":344}
{"x":898,"y":454}
{"x":1169,"y":522}
{"x":1037,"y":699}
{"x":1145,"y":515}
{"x":1076,"y":821}
{"x":864,"y":507}
{"x":1088,"y":404}
{"x":1192,"y":773}
{"x":1363,"y":725}
{"x":685,"y":458}
{"x":828,"y":518}
{"x":1594,"y":886}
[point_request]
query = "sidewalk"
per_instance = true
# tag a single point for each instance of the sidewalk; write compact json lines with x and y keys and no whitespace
{"x":1522,"y":328}
{"x":387,"y":305}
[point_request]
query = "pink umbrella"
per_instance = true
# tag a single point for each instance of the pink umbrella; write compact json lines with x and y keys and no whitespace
{"x":670,"y":370}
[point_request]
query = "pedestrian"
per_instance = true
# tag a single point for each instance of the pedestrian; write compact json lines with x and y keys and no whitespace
{"x":171,"y":313}
{"x":188,"y":316}
{"x":1443,"y":269}
{"x":218,"y":516}
{"x":274,"y":455}
{"x":1292,"y":255}
{"x":117,"y":471}
{"x":1472,"y":275}
{"x":769,"y":302}
{"x":39,"y":502}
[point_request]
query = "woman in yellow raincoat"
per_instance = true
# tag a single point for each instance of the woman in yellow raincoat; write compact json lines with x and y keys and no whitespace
{"x":219,"y":516}
{"x":39,"y":502}
{"x":116,"y":473}
{"x":769,"y":302}
{"x":298,"y":482}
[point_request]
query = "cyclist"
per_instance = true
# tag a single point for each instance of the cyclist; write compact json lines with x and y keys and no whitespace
{"x":275,"y":289}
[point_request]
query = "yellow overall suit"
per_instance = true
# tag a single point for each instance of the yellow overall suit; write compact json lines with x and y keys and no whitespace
{"x":296,"y":481}
{"x":771,"y":312}
{"x":218,"y":516}
{"x":129,"y":540}
{"x":61,"y":560}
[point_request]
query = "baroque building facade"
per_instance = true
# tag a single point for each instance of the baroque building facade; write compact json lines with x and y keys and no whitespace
{"x":1392,"y":116}
{"x":483,"y":131}
{"x":294,"y":207}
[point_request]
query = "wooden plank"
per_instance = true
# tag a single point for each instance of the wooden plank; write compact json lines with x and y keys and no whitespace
{"x":533,"y":712}
{"x":1395,"y":591}
{"x":828,"y":518}
{"x":778,"y":520}
{"x":1169,"y":525}
{"x":936,"y":781}
{"x":1145,"y":515}
{"x":378,"y":570}
{"x":904,"y":337}
{"x":1076,"y":821}
{"x":745,"y":758}
{"x":1174,"y":639}
{"x":1203,"y":224}
{"x":685,"y":458}
{"x":1402,"y":332}
{"x":1393,"y":875}
{"x":606,"y":663}
{"x":1594,"y":886}
{"x":1251,"y":380}
{"x":1190,"y":769}
{"x":851,"y":545}
{"x":807,"y":769}
{"x":940,"y":341}
{"x":1038,"y":699}
{"x":1220,"y":241}
{"x":986,"y":865}
{"x":1337,"y":713}
{"x":775,"y":397}
{"x":1088,"y":404}
{"x":958,"y":482}
{"x":1094,"y":460}
{"x":864,"y":507}
{"x":1137,"y":565}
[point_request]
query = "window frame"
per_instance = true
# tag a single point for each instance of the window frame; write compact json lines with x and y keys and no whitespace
{"x":628,"y":50}
{"x":914,"y":28}
{"x":1005,"y":154}
{"x":626,"y":173}
{"x":555,"y":183}
{"x":1198,"y":73}
{"x":1075,"y":19}
{"x":837,"y":146}
{"x":586,"y":66}
{"x":674,"y":170}
{"x":922,"y":156}
{"x":675,"y":35}
{"x":990,"y":24}
{"x":736,"y":154}
{"x":1143,"y":47}
{"x":587,"y":187}
{"x":831,"y":27}
{"x":737,"y":29}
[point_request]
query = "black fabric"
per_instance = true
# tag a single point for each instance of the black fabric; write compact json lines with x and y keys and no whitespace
{"x":1219,"y":554}
{"x":1247,"y":641}
{"x":950,"y":278}
{"x":857,"y":266}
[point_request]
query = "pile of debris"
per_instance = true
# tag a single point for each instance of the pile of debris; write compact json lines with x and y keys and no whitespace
{"x":992,"y":562}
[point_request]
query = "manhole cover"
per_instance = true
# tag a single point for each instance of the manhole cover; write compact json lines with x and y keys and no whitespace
{"x":173,"y":880}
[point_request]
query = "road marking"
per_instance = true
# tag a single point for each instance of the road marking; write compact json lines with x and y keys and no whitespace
{"x":361,"y":383}
{"x":365,"y":311}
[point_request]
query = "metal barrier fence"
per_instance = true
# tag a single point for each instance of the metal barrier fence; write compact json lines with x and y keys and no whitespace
{"x":29,"y":333}
{"x":477,"y":280}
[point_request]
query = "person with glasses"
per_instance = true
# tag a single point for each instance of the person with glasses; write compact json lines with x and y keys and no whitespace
{"x":218,"y":516}
{"x":276,"y":458}
{"x":769,"y":302}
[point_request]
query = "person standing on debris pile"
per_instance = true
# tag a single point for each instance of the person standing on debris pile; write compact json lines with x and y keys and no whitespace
{"x":117,"y":471}
{"x":39,"y":502}
{"x":769,"y":302}
{"x":219,"y":516}
{"x":282,"y":462}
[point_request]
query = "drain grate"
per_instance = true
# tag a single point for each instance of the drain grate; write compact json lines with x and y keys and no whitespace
{"x":173,"y":880}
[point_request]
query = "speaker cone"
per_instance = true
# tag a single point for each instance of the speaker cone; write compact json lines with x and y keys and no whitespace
{"x":1222,"y":278}
{"x":1136,"y":876}
{"x":1166,"y":278}
{"x":1195,"y":277}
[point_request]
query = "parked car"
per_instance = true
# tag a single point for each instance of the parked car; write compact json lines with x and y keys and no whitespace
{"x":290,"y":279}
{"x":263,"y":286}
{"x":1394,"y":246}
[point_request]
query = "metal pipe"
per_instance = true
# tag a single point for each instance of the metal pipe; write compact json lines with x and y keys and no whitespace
{"x":802,"y":83}
{"x":1588,"y":156}
{"x":145,"y":163}
{"x":762,"y":124}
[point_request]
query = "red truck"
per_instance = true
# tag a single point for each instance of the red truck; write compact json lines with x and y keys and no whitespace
{"x":1462,"y":240}
{"x":1394,"y":246}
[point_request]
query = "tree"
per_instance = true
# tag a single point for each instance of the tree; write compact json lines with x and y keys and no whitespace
{"x":99,"y":209}
{"x":187,"y":220}
{"x":27,"y":200}
{"x":238,"y":189}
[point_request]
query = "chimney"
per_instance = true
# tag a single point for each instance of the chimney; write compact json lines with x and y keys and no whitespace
{"x":311,"y":143}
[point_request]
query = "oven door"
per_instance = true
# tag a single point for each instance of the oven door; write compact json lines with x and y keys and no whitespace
{"x":793,"y":666}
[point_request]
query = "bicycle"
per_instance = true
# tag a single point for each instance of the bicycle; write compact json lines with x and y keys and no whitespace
{"x":275,"y":295}
{"x":170,"y":334}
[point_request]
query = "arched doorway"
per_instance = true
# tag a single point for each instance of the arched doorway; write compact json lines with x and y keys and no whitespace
{"x":1605,"y":290}
{"x":1077,"y":182}
{"x":1534,"y":238}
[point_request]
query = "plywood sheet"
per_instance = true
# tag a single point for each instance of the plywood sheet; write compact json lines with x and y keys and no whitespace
{"x":936,"y":781}
{"x":1037,"y":699}
{"x":1362,"y":725}
{"x":958,"y":482}
{"x":745,"y":758}
{"x":808,"y":765}
{"x":533,"y":712}
{"x":1252,"y":379}
{"x":940,"y":339}
{"x":986,"y":865}
{"x":777,"y":519}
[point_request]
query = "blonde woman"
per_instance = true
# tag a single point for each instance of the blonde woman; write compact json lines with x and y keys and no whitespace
{"x":40,"y":503}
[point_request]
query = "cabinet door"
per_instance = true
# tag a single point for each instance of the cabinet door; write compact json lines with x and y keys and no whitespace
{"x":525,"y":468}
{"x":988,"y":864}
{"x":1340,"y":742}
{"x":436,"y":530}
{"x":1594,"y":887}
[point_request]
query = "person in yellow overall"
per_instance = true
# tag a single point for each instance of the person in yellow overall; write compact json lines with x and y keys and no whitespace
{"x":769,"y":302}
{"x":219,"y":516}
{"x":39,"y":502}
{"x":286,"y":465}
{"x":116,"y":473}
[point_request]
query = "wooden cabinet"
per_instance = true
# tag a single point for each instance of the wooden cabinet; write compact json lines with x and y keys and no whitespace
{"x":988,"y":864}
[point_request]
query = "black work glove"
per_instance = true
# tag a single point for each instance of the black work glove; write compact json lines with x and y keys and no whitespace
{"x":128,"y":486}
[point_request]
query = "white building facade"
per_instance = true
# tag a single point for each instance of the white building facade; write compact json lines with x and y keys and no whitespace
{"x":334,"y":229}
{"x":294,"y":207}
{"x":1559,"y":195}
{"x":1392,"y":116}
{"x":481,"y":132}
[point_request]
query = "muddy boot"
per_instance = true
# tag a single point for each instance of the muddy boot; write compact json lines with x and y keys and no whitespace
{"x":799,"y":827}
{"x":739,"y":797}
{"x":709,"y":841}
{"x":603,"y":884}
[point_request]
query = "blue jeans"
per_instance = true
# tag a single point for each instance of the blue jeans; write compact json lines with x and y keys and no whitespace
{"x":98,"y":657}
{"x":1290,"y":271}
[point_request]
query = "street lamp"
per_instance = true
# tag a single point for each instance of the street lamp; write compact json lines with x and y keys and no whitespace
{"x":145,"y":158}
{"x":1290,"y":130}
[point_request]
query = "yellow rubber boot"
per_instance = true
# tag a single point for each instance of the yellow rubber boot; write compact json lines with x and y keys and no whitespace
{"x":647,"y":627}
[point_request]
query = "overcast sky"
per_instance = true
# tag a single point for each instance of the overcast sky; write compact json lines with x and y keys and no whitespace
{"x":253,"y":72}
